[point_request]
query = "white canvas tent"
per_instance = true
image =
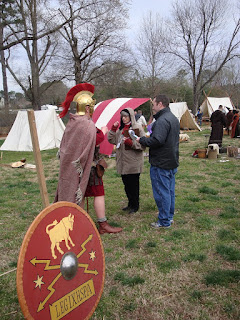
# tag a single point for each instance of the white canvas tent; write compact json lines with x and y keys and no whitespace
{"x":211,"y":104}
{"x":49,"y":106}
{"x":185,"y":117}
{"x":50,"y":130}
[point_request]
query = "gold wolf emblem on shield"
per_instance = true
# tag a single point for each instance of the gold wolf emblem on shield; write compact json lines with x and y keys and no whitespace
{"x":60,"y":232}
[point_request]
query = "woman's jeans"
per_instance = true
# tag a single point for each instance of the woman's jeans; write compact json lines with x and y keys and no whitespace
{"x":163,"y":186}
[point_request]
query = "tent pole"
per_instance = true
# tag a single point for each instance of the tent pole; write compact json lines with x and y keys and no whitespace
{"x":208,"y":101}
{"x":38,"y":159}
{"x":230,"y":100}
{"x":207,"y":95}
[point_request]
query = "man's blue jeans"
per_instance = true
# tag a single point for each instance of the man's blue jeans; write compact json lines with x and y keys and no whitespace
{"x":163,"y":186}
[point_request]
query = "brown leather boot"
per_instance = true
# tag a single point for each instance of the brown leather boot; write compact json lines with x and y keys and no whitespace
{"x":104,"y":227}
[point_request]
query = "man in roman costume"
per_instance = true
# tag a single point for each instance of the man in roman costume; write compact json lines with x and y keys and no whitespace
{"x":79,"y":153}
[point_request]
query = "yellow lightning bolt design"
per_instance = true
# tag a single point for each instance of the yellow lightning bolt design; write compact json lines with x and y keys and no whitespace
{"x":85,"y":266}
{"x":34,"y":261}
{"x":52,"y":290}
{"x":83,"y":246}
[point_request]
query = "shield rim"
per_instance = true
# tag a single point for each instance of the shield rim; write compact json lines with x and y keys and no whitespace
{"x":24,"y":246}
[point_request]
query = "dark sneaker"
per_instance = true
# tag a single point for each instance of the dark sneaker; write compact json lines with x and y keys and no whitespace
{"x":157,"y":225}
{"x":126,"y":208}
{"x":131,"y":211}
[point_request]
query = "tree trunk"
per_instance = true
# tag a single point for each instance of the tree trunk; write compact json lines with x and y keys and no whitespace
{"x":36,"y":102}
{"x":78,"y":71}
{"x":34,"y":65}
{"x":4,"y":76}
{"x":195,"y":98}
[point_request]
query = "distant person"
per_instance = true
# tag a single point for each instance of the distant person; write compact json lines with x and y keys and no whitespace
{"x":141,"y":120}
{"x":129,"y":156}
{"x":218,"y":122}
{"x":149,"y":125}
{"x":137,"y":115}
{"x":163,"y":146}
{"x":192,"y":115}
{"x":235,"y":125}
{"x":199,"y":117}
{"x":229,"y":119}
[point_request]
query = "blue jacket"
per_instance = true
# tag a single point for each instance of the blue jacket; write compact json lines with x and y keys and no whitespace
{"x":164,"y":140}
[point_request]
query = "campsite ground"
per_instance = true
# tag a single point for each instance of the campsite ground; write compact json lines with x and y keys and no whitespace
{"x":190,"y":271}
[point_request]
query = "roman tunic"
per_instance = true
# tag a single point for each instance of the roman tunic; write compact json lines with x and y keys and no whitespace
{"x":76,"y":155}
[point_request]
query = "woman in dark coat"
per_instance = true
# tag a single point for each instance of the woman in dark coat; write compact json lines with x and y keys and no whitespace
{"x":218,"y":120}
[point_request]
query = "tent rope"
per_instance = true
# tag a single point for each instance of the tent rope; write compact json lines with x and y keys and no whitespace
{"x":3,"y":274}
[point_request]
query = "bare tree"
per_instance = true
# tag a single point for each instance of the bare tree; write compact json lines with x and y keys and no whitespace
{"x":229,"y":76}
{"x":55,"y":93}
{"x":34,"y":37}
{"x":229,"y":80}
{"x":8,"y":15}
{"x":15,"y":37}
{"x":112,"y":80}
{"x":94,"y":39}
{"x":4,"y":72}
{"x":150,"y":52}
{"x":39,"y":51}
{"x":199,"y":38}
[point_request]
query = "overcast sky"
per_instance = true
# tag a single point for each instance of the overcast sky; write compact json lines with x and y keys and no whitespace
{"x":138,"y":8}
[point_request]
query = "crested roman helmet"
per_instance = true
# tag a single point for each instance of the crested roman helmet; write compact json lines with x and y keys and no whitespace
{"x":81,"y":94}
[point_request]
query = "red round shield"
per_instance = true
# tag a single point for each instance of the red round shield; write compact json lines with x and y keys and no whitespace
{"x":61,"y":266}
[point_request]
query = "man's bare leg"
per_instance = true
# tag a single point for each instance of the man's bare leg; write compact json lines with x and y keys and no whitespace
{"x":99,"y":206}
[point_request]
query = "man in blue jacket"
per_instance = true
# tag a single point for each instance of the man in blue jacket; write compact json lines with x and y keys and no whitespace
{"x":163,"y":146}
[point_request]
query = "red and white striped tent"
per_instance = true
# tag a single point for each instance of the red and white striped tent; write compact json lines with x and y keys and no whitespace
{"x":107,"y":112}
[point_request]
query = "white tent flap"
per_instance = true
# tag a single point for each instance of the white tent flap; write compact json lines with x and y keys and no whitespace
{"x":185,"y":117}
{"x":211,"y":104}
{"x":50,"y":130}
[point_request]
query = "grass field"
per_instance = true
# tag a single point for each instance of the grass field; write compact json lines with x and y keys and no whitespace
{"x":190,"y":271}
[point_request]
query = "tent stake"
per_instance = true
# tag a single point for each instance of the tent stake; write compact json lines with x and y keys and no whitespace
{"x":38,"y":159}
